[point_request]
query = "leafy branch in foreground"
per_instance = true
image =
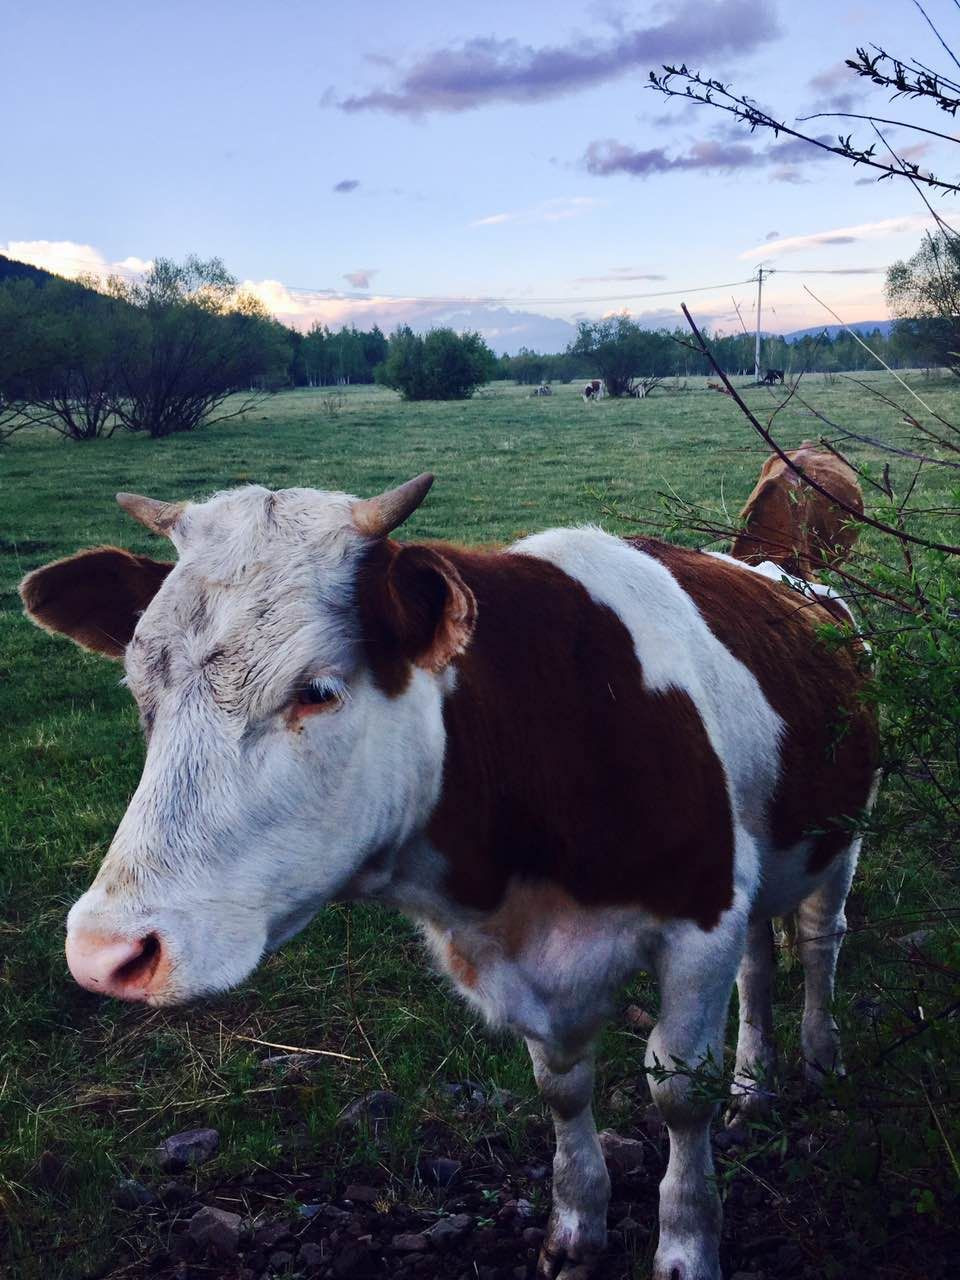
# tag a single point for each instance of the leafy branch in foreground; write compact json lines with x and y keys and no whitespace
{"x":697,"y":87}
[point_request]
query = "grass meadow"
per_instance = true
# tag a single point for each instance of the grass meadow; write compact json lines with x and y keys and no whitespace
{"x":88,"y":1088}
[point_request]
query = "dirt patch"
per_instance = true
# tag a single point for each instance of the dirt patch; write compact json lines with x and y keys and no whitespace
{"x":486,"y":1222}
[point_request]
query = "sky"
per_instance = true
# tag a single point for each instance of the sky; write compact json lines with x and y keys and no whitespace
{"x":502,"y":167}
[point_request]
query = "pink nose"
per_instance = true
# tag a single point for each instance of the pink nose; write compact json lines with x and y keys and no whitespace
{"x":112,"y":966}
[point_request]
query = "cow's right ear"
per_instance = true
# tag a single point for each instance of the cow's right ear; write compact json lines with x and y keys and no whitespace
{"x":415,"y":611}
{"x":95,"y":597}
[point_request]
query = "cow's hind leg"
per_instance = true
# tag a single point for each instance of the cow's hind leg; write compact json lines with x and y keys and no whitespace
{"x":756,"y":1049}
{"x":821,"y":925}
{"x":696,"y":972}
{"x":577,"y":1230}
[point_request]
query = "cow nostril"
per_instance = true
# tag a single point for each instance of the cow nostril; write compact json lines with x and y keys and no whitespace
{"x":139,"y":968}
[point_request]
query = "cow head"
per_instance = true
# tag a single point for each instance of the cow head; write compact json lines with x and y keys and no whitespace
{"x":289,"y":671}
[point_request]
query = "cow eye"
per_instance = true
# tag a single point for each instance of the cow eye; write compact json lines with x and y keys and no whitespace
{"x":319,"y":693}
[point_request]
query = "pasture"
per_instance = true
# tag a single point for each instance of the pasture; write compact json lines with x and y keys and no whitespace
{"x":864,"y":1182}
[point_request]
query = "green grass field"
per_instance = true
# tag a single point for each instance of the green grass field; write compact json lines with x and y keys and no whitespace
{"x":88,"y":1088}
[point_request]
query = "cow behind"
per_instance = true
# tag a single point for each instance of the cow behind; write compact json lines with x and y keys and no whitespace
{"x":793,"y":525}
{"x":566,"y":761}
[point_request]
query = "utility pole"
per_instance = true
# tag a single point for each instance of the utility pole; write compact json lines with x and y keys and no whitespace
{"x":756,"y":351}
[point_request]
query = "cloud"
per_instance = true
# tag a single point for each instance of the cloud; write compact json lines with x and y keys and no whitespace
{"x":788,"y":173}
{"x":772,"y":235}
{"x":838,"y":88}
{"x":346,"y":185}
{"x":620,"y":274}
{"x":841,"y":235}
{"x":556,"y":210}
{"x":485,"y":70}
{"x":70,"y":259}
{"x":606,"y":156}
{"x":360,"y":279}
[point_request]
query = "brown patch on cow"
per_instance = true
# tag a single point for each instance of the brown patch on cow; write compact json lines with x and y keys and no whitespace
{"x":460,"y":967}
{"x":795,"y":526}
{"x":415,"y":610}
{"x":562,"y":769}
{"x":528,"y":904}
{"x":95,"y":597}
{"x":828,"y":754}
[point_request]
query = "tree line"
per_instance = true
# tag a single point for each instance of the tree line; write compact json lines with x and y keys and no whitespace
{"x":184,"y":347}
{"x":169,"y":352}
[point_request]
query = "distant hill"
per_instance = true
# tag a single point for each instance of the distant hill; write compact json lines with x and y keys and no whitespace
{"x":10,"y":269}
{"x":831,"y":330}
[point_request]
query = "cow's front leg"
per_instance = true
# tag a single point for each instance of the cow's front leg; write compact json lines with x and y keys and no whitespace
{"x":577,"y":1230}
{"x":696,"y":972}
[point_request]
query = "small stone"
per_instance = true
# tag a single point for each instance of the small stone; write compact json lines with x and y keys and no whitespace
{"x":309,"y":1211}
{"x":622,"y":1099}
{"x":174,"y":1195}
{"x":638,"y":1018}
{"x":215,"y":1230}
{"x":624,"y":1156}
{"x":288,"y":1065}
{"x":373,"y":1109}
{"x":533,"y":1237}
{"x":272,"y":1235}
{"x":536,"y":1172}
{"x":281,"y":1260}
{"x":919,"y":938}
{"x":439,"y":1170}
{"x":311,"y":1256}
{"x":362,"y":1195}
{"x":411,"y":1242}
{"x":464,"y":1093}
{"x":192,"y":1147}
{"x":505,"y":1099}
{"x":447,"y":1231}
{"x":130,"y":1194}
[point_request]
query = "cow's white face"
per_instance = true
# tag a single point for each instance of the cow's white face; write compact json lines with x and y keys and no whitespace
{"x":277,"y":764}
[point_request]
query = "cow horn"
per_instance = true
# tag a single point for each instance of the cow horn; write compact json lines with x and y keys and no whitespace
{"x":378,"y":516}
{"x":159,"y":517}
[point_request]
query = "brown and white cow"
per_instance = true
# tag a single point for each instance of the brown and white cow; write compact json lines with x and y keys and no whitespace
{"x":593,"y":390}
{"x":792,"y":524}
{"x":567,"y":761}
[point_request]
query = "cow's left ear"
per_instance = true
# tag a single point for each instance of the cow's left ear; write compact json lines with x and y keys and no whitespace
{"x":414,"y":609}
{"x":94,"y":597}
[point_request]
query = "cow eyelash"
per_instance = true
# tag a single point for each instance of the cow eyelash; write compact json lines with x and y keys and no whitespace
{"x":321,"y":691}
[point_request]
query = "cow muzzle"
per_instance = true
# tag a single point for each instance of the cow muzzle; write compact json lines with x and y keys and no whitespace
{"x":126,"y":968}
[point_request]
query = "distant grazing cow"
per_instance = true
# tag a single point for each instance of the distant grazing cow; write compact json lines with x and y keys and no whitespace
{"x":593,"y":390}
{"x":793,"y":525}
{"x":567,"y":761}
{"x":718,"y":386}
{"x":772,"y":376}
{"x":544,"y":389}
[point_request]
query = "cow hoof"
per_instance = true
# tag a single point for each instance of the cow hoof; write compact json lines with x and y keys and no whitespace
{"x":681,"y":1260}
{"x":744,"y":1111}
{"x":685,"y":1269}
{"x":558,"y":1264}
